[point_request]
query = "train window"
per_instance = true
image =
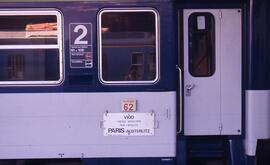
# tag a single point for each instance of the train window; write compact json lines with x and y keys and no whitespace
{"x":129,"y":48}
{"x":30,"y":47}
{"x":201,"y":44}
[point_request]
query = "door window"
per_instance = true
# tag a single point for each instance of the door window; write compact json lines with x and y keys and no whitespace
{"x":201,"y":44}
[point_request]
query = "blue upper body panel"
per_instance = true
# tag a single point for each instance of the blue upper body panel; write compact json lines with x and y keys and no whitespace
{"x":259,"y":54}
{"x":86,"y":79}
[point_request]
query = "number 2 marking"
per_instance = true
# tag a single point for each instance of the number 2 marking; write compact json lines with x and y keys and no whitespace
{"x":131,"y":107}
{"x":79,"y":40}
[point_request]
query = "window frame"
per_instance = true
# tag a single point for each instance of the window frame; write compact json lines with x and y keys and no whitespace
{"x":157,"y":45}
{"x":59,"y":46}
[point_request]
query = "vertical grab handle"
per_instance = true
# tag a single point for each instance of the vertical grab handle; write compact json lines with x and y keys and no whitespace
{"x":180,"y":98}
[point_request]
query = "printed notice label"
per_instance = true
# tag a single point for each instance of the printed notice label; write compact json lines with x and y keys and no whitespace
{"x":129,"y":124}
{"x":80,"y":45}
{"x":201,"y":22}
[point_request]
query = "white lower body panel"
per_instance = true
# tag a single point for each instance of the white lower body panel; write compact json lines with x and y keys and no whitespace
{"x":257,"y":118}
{"x":69,"y":125}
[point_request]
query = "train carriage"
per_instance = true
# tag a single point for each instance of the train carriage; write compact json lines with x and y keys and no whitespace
{"x":133,"y":81}
{"x":84,"y":79}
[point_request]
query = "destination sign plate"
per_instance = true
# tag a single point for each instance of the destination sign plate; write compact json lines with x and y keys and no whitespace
{"x":128,"y":124}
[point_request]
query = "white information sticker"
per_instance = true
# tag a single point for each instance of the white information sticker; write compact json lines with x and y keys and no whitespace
{"x":201,"y":22}
{"x":129,"y":124}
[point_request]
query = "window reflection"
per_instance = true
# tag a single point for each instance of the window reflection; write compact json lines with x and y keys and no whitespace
{"x":28,"y":30}
{"x":30,"y":47}
{"x":29,"y":65}
{"x":128,"y":46}
{"x":201,"y":44}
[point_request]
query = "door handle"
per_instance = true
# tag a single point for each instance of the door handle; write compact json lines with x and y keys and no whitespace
{"x":189,"y":87}
{"x":180,"y":99}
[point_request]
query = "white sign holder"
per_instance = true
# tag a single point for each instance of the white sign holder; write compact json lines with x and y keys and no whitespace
{"x":129,"y":124}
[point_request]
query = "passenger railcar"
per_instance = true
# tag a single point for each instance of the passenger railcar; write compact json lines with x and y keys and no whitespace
{"x":134,"y":81}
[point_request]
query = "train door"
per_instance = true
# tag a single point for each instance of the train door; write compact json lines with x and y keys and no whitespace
{"x":212,"y":71}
